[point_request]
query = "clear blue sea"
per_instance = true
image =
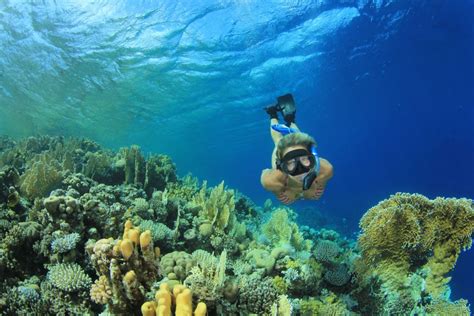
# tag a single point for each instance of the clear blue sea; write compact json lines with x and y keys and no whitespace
{"x":385,"y":87}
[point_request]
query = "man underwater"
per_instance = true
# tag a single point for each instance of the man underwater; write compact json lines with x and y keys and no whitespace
{"x":297,"y":171}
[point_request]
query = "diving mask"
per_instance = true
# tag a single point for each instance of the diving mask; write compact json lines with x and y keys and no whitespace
{"x":297,"y":162}
{"x":302,"y":165}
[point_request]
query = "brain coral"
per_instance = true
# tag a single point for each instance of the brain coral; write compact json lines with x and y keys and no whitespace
{"x":326,"y":251}
{"x":339,"y":275}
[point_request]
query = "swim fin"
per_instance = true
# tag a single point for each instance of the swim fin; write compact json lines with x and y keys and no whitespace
{"x":287,"y":106}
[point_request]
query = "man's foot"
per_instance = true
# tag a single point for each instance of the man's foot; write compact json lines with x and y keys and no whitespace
{"x":287,"y":105}
{"x":272,"y":110}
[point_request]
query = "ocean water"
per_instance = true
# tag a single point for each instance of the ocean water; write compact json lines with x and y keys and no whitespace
{"x":385,"y":87}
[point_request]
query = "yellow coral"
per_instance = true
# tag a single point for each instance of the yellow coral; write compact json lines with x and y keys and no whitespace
{"x":145,"y":239}
{"x":126,"y":248}
{"x":42,"y":177}
{"x":389,"y":232}
{"x":292,"y":264}
{"x":184,"y":304}
{"x":148,"y":309}
{"x":100,"y":291}
{"x":163,"y":299}
{"x":134,"y":235}
{"x":182,"y":298}
{"x":201,"y":309}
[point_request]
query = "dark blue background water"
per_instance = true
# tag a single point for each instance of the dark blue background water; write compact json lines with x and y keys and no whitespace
{"x":385,"y":87}
{"x":399,"y":118}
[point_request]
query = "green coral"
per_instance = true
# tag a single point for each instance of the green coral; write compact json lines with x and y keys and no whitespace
{"x":280,"y":231}
{"x":134,"y":164}
{"x":327,"y":251}
{"x":409,"y":226}
{"x":177,"y":265}
{"x":97,"y":166}
{"x":159,"y":171}
{"x":159,"y":231}
{"x":280,"y":285}
{"x":184,"y":189}
{"x":261,"y":259}
{"x":42,"y":177}
{"x":440,"y":308}
{"x":208,"y":276}
{"x":328,"y":305}
{"x":68,"y":277}
{"x":217,"y":208}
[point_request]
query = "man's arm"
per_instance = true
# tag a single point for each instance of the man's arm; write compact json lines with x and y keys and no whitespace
{"x":276,"y":182}
{"x":326,"y":172}
{"x":273,"y":180}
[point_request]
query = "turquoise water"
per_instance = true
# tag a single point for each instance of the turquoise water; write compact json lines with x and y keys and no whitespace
{"x":385,"y":87}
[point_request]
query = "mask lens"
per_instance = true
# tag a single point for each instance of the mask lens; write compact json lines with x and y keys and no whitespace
{"x":305,"y":161}
{"x":290,"y":165}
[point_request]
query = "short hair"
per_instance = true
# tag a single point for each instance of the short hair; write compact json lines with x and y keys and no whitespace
{"x":294,"y":139}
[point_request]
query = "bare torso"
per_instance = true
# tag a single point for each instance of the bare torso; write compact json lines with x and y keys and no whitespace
{"x":288,"y":189}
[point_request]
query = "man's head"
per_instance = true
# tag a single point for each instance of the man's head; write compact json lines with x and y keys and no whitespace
{"x":294,"y":154}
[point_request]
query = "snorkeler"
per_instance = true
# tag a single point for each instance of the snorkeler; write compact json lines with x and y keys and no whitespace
{"x":297,"y":170}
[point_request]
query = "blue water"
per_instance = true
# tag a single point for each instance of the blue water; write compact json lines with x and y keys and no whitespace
{"x":385,"y":87}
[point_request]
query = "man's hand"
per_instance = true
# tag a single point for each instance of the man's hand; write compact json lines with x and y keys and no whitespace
{"x":316,"y":190}
{"x":286,"y":198}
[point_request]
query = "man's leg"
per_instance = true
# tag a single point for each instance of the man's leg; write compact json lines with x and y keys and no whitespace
{"x":276,"y":136}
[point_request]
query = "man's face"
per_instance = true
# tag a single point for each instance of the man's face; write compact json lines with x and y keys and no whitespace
{"x":301,"y":157}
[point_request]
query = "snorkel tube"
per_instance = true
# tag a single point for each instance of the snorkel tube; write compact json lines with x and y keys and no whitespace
{"x":309,"y":178}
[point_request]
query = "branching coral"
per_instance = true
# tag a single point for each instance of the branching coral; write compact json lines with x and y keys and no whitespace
{"x":208,"y":276}
{"x":329,"y":305}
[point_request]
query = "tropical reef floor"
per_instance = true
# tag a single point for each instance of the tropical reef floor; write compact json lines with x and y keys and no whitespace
{"x":88,"y":231}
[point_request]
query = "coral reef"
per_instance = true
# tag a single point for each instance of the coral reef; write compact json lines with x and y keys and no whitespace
{"x":119,"y":233}
{"x":409,"y":237}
